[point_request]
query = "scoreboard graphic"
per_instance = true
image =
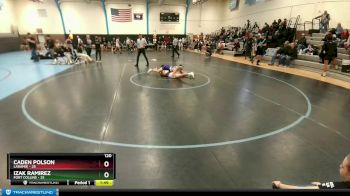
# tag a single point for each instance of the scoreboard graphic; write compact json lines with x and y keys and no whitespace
{"x":169,"y":17}
{"x":61,"y":169}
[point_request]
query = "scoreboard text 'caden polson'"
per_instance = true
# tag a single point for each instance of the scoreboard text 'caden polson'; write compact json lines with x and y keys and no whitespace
{"x":34,"y":162}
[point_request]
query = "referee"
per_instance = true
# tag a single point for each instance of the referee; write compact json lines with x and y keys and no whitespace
{"x":141,"y":48}
{"x":175,"y":47}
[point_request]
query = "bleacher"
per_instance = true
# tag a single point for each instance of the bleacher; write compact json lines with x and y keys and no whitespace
{"x":303,"y":61}
{"x":312,"y":62}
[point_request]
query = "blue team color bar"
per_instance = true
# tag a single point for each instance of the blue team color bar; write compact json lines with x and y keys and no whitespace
{"x":29,"y":192}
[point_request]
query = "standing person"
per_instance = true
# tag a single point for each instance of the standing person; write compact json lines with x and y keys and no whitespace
{"x":141,"y":48}
{"x":181,"y":44}
{"x":69,"y":44}
{"x":155,"y":42}
{"x":220,"y":47}
{"x":161,"y":42}
{"x":70,"y":35}
{"x":344,"y":171}
{"x":128,"y":44}
{"x":88,"y":45}
{"x":133,"y":46}
{"x":80,"y":47}
{"x":330,"y":53}
{"x":104,"y":42}
{"x":113,"y":45}
{"x":236,"y":46}
{"x":339,"y":30}
{"x":184,"y":43}
{"x":32,"y":45}
{"x":249,"y":47}
{"x":324,"y":23}
{"x":118,"y":46}
{"x":80,"y":41}
{"x":247,"y":26}
{"x":51,"y":46}
{"x":175,"y":47}
{"x":166,"y":42}
{"x":260,"y":49}
{"x":208,"y":51}
{"x":98,"y":48}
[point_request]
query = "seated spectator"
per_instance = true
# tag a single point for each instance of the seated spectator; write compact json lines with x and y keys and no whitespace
{"x":276,"y":35}
{"x":302,"y":43}
{"x":344,"y":171}
{"x":255,"y":28}
{"x":80,"y":48}
{"x":284,"y":24}
{"x":62,"y":54}
{"x":236,"y":45}
{"x":200,"y":46}
{"x":220,"y":47}
{"x":278,"y":53}
{"x":347,"y":43}
{"x":196,"y":46}
{"x":208,"y":51}
{"x":288,"y":54}
{"x":43,"y":53}
{"x":344,"y":35}
{"x":333,"y":31}
{"x":274,"y":56}
{"x":309,"y":50}
{"x":247,"y":26}
{"x":339,"y":30}
{"x":344,"y":39}
{"x":265,"y":28}
{"x":274,"y":26}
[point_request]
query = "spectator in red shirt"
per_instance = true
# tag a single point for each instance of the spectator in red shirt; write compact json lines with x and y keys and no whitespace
{"x":345,"y":35}
{"x":166,"y":41}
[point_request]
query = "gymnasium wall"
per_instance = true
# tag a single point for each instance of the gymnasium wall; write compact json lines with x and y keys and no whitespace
{"x":9,"y":43}
{"x":28,"y":18}
{"x":134,"y":27}
{"x":9,"y":40}
{"x":164,"y":27}
{"x":81,"y":17}
{"x":7,"y":17}
{"x":206,"y":17}
{"x":268,"y":10}
{"x":88,"y":18}
{"x":340,"y":12}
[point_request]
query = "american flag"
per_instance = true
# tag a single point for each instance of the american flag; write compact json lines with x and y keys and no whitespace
{"x":121,"y":15}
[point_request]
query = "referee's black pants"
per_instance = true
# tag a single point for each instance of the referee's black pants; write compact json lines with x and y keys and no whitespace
{"x":143,"y":51}
{"x":175,"y":51}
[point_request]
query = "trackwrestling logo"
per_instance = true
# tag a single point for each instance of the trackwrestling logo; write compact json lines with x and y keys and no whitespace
{"x":29,"y":192}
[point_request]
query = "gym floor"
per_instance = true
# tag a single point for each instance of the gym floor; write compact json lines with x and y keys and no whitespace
{"x":232,"y":127}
